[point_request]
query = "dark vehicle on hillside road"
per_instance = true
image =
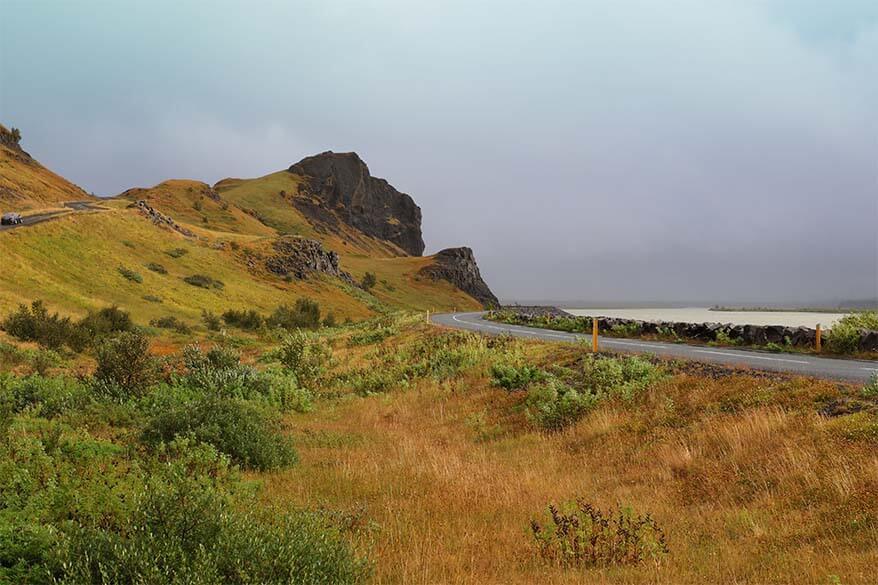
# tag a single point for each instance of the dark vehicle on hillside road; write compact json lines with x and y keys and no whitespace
{"x":10,"y":219}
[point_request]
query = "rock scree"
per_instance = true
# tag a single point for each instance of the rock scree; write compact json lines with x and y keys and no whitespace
{"x":341,"y":184}
{"x":159,"y":218}
{"x":458,"y":266}
{"x":299,"y":257}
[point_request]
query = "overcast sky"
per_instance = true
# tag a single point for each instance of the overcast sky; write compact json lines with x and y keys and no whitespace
{"x":625,"y":150}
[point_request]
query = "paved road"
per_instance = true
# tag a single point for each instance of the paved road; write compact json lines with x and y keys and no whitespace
{"x":41,"y":217}
{"x":794,"y":363}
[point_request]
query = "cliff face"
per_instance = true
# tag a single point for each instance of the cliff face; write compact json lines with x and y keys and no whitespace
{"x":458,"y":266}
{"x":340,"y":184}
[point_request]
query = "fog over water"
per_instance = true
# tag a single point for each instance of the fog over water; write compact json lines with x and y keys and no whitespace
{"x":604,"y":151}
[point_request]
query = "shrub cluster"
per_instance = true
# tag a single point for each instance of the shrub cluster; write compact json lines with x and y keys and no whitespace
{"x":157,"y":268}
{"x":203,"y":281}
{"x":581,"y":535}
{"x":35,"y":323}
{"x":171,"y":322}
{"x":304,"y":314}
{"x":244,"y":319}
{"x":844,"y":337}
{"x":177,"y":252}
{"x":130,"y":274}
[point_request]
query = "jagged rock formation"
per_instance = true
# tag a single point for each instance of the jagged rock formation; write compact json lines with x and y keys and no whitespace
{"x":298,"y":257}
{"x":458,"y":266}
{"x":159,"y":218}
{"x":339,"y":187}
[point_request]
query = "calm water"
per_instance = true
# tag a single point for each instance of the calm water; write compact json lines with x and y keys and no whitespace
{"x":703,"y":315}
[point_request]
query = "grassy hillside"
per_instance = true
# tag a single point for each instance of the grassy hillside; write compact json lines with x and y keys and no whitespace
{"x":74,"y":266}
{"x":26,"y":184}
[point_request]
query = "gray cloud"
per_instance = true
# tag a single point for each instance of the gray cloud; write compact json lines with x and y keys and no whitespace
{"x":624,"y":150}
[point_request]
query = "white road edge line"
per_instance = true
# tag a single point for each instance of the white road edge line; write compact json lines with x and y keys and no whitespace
{"x":753,"y":357}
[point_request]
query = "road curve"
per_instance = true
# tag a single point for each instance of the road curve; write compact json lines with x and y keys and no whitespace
{"x":793,"y":363}
{"x":71,"y":206}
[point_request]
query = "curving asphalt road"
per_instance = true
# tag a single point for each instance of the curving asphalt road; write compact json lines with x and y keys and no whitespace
{"x":41,"y":217}
{"x":793,"y":363}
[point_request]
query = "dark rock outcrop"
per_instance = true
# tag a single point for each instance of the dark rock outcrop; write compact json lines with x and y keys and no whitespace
{"x":298,"y":257}
{"x":458,"y":266}
{"x":340,"y":184}
{"x":159,"y":218}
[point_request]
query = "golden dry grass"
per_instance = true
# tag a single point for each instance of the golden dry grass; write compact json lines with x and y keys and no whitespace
{"x":750,"y":484}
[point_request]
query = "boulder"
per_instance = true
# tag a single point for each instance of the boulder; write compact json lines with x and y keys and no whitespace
{"x":299,"y":257}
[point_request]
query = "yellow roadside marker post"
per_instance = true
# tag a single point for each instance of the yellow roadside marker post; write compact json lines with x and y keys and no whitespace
{"x":818,"y":342}
{"x":594,"y":334}
{"x":428,"y":316}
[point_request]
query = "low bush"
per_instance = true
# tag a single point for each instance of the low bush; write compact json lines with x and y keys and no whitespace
{"x":40,"y":360}
{"x":305,"y":314}
{"x":625,"y":329}
{"x":368,"y":282}
{"x":373,"y":335}
{"x":329,"y":320}
{"x":106,"y":321}
{"x":130,"y":274}
{"x":723,"y":338}
{"x":171,"y":322}
{"x":125,"y":367}
{"x":157,"y":268}
{"x":35,"y":323}
{"x":203,"y":281}
{"x":510,"y":377}
{"x":42,"y":396}
{"x":210,"y":320}
{"x":305,"y":356}
{"x":581,"y":535}
{"x":870,"y":390}
{"x":623,"y":376}
{"x":244,"y":319}
{"x":552,"y":405}
{"x":177,"y":252}
{"x":219,"y":372}
{"x":152,"y":299}
{"x":248,"y":433}
{"x":844,"y":337}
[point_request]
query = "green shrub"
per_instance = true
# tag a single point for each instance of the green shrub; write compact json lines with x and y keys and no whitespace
{"x":40,"y":360}
{"x":844,"y":337}
{"x":42,"y":396}
{"x":203,"y":281}
{"x":219,"y":372}
{"x":152,"y":298}
{"x":249,"y":319}
{"x":722,"y":338}
{"x":130,"y":274}
{"x":248,"y":433}
{"x":125,"y":367}
{"x":211,"y":321}
{"x":305,"y":356}
{"x":368,"y":281}
{"x":158,"y":268}
{"x":553,"y":405}
{"x":626,"y":329}
{"x":870,"y":390}
{"x":177,"y":252}
{"x":37,"y":324}
{"x":171,"y":322}
{"x":581,"y":535}
{"x":329,"y":320}
{"x":305,"y":314}
{"x":372,"y":335}
{"x":106,"y":321}
{"x":186,"y":527}
{"x":510,"y":377}
{"x":623,"y":376}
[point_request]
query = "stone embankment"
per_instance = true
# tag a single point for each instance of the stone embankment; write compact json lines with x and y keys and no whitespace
{"x":159,"y":218}
{"x":743,"y":334}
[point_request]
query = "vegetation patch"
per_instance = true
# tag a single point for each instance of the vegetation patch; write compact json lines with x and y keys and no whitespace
{"x":581,"y":535}
{"x":157,"y":268}
{"x":130,"y":274}
{"x":203,"y":281}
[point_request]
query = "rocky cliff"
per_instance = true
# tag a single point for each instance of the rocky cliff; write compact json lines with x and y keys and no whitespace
{"x":339,"y":185}
{"x":298,"y":257}
{"x":458,"y":266}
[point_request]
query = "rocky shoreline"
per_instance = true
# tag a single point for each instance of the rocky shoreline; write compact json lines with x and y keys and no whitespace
{"x":743,"y":334}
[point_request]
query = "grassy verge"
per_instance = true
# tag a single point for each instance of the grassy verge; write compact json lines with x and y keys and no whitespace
{"x":442,"y":457}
